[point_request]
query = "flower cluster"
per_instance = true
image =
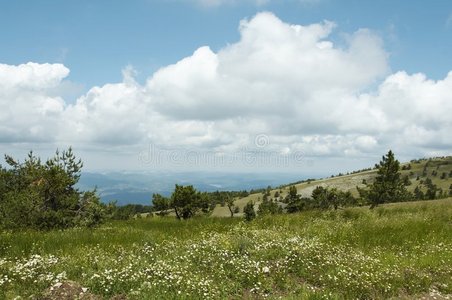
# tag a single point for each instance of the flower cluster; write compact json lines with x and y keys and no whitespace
{"x":240,"y":262}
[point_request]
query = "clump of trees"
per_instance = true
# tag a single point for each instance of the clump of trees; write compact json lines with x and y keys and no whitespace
{"x":321,"y":198}
{"x":388,"y":186}
{"x":185,"y":201}
{"x":220,"y":197}
{"x":269,"y":207}
{"x":42,"y":195}
{"x":295,"y":202}
{"x":326,"y":198}
{"x":127,"y":211}
{"x":427,"y":190}
{"x":160,"y":204}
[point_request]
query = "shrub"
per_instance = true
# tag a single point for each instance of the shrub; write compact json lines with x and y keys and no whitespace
{"x":43,"y":195}
{"x":249,"y":211}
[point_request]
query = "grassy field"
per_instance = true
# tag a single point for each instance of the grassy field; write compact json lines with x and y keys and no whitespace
{"x":394,"y":251}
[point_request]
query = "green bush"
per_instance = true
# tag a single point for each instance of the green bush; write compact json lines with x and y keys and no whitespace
{"x":43,"y":195}
{"x":249,"y":211}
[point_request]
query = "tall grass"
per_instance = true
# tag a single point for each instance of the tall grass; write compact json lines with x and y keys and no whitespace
{"x":114,"y":233}
{"x":397,"y":250}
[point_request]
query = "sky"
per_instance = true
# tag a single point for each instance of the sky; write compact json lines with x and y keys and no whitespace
{"x":227,"y":85}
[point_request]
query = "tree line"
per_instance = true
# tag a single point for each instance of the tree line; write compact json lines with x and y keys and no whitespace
{"x":42,"y":195}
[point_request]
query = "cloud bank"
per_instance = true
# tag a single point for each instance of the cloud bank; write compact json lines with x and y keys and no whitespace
{"x":291,"y":83}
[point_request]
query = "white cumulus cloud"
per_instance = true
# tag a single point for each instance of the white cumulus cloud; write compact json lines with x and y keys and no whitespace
{"x":291,"y":84}
{"x":28,"y":110}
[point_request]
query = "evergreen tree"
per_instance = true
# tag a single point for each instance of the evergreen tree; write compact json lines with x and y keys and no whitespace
{"x":187,"y":202}
{"x":43,"y":195}
{"x":388,"y":186}
{"x":431,"y":189}
{"x":325,"y":197}
{"x":320,"y":197}
{"x":249,"y":211}
{"x":160,"y":203}
{"x":406,"y":180}
{"x":418,"y":193}
{"x":293,"y":200}
{"x":269,"y":206}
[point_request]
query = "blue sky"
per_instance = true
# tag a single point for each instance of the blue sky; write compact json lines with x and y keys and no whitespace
{"x":96,"y":39}
{"x":322,"y":83}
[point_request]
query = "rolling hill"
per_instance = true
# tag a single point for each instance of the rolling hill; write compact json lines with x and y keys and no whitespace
{"x":438,"y":169}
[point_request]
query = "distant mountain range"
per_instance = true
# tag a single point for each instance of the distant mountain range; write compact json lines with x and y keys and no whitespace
{"x":138,"y":187}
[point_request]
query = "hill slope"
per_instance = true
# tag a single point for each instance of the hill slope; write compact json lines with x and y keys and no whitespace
{"x":439,"y":170}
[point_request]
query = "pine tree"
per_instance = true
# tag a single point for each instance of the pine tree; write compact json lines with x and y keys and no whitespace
{"x":293,"y":200}
{"x":388,"y":186}
{"x":249,"y":211}
{"x":187,"y":201}
{"x":44,"y":195}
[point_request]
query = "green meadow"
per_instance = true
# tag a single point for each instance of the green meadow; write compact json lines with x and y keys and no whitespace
{"x":401,"y":250}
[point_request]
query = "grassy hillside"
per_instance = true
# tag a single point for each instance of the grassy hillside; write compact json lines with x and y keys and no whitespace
{"x":423,"y":169}
{"x":401,"y":250}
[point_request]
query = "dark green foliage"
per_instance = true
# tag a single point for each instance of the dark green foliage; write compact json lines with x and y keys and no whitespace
{"x":219,"y":197}
{"x":388,"y":186}
{"x":424,"y":171}
{"x":43,"y":195}
{"x":268,"y":191}
{"x":293,"y":200}
{"x":160,"y":203}
{"x":269,"y":207}
{"x":406,"y":180}
{"x":127,"y":211}
{"x":347,"y":199}
{"x":249,"y":211}
{"x":418,"y":193}
{"x":322,"y":197}
{"x":91,"y":211}
{"x":325,"y":198}
{"x":432,"y":189}
{"x":187,"y":202}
